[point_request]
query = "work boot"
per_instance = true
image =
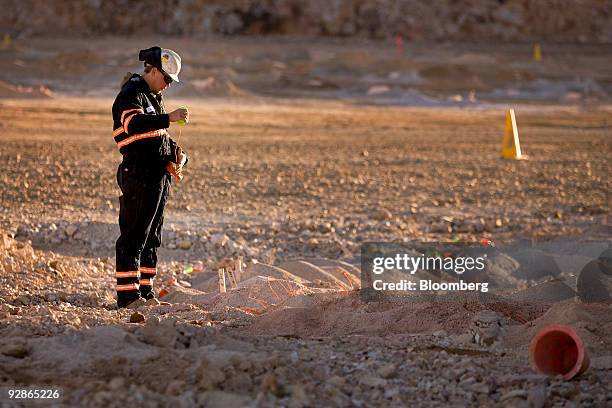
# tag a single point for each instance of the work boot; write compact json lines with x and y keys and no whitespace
{"x":130,"y":303}
{"x":152,"y":302}
{"x":156,"y":302}
{"x":146,"y":292}
{"x":136,"y":304}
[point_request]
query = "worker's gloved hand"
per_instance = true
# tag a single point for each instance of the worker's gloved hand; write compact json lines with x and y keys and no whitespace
{"x":176,"y":168}
{"x":175,"y":171}
{"x":179,"y":114}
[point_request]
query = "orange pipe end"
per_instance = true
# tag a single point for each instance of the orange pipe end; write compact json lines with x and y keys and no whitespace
{"x":558,"y":350}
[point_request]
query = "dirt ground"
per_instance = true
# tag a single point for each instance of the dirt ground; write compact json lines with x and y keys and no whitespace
{"x":309,"y":176}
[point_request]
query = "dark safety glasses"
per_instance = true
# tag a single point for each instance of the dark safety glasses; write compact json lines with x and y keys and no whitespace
{"x":167,"y":78}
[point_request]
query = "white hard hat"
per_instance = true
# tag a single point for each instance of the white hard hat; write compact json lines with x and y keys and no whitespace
{"x":171,"y":63}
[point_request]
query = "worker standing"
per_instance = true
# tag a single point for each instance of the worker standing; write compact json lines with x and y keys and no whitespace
{"x":150,"y":158}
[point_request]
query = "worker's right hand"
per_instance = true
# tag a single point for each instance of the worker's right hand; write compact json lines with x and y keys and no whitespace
{"x":178,"y":114}
{"x":175,"y":171}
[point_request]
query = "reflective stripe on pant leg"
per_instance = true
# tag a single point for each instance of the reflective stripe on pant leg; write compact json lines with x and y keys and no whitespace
{"x":127,"y":287}
{"x":147,"y":275}
{"x":127,"y":281}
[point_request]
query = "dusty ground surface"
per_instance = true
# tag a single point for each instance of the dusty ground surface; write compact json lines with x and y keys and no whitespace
{"x":279,"y":179}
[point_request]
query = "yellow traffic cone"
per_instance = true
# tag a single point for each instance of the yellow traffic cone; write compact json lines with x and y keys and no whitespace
{"x":511,"y":146}
{"x":6,"y":41}
{"x":537,"y":52}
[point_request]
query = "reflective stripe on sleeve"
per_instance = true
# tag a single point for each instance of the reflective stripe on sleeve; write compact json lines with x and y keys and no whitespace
{"x":125,"y":112}
{"x":127,"y":123}
{"x":145,"y":282}
{"x":118,"y":131}
{"x":151,"y":271}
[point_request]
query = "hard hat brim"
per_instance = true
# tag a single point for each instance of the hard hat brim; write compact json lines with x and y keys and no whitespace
{"x":174,"y":77}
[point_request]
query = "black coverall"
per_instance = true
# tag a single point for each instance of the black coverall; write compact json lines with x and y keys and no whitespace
{"x":140,"y":123}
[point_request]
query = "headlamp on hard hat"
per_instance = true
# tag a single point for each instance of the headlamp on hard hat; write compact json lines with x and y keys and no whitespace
{"x":151,"y":56}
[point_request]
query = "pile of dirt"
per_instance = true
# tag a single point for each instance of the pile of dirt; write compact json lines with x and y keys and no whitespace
{"x":347,"y":313}
{"x":256,"y":294}
{"x":261,"y":286}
